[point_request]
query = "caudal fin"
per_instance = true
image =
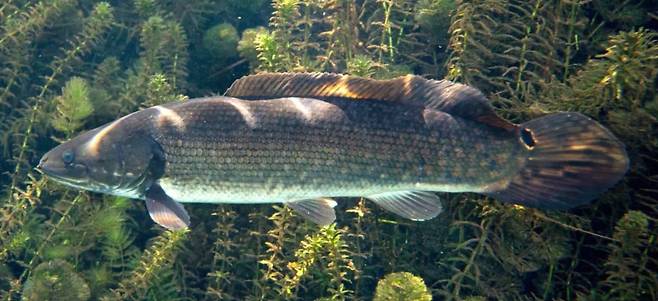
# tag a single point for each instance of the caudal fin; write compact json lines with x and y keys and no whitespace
{"x":572,"y":160}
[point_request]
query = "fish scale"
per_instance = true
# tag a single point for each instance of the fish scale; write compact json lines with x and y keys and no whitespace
{"x":328,"y":153}
{"x":302,"y":138}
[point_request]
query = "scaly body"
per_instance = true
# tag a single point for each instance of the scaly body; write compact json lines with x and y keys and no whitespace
{"x":227,"y":150}
{"x":301,"y":139}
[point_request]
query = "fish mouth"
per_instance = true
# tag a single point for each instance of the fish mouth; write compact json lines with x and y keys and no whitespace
{"x":72,"y":174}
{"x":62,"y":179}
{"x":65,"y":180}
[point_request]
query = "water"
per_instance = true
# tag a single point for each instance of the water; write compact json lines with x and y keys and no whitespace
{"x":71,"y":65}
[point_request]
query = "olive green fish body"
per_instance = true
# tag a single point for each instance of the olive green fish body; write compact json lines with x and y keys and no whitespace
{"x":302,"y":138}
{"x":230,"y":150}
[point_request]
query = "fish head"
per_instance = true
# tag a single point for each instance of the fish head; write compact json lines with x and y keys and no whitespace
{"x":116,"y":159}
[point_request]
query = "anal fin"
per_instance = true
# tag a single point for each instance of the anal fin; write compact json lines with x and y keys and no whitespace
{"x":320,"y":211}
{"x":414,"y":205}
{"x":164,"y":210}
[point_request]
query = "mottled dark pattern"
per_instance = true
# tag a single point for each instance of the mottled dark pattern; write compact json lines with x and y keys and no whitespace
{"x":345,"y":145}
{"x":442,"y":95}
{"x":573,"y":160}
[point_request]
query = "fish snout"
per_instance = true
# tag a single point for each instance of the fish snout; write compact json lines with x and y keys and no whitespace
{"x":48,"y":166}
{"x":52,"y":166}
{"x":43,"y":161}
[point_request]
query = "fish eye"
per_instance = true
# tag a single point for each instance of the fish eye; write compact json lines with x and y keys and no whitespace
{"x":67,"y":157}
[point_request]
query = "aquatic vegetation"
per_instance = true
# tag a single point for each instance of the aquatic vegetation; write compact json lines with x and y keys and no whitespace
{"x":328,"y":247}
{"x":73,"y":106}
{"x":94,"y":26}
{"x":434,"y":16}
{"x":247,"y":45}
{"x":221,"y":41}
{"x":224,"y":258}
{"x":361,"y":65}
{"x":152,"y":266}
{"x":615,"y":79}
{"x":55,"y":280}
{"x":269,"y":53}
{"x":401,"y":286}
{"x":70,"y":65}
{"x":629,"y":274}
{"x":164,"y":46}
{"x":629,"y":13}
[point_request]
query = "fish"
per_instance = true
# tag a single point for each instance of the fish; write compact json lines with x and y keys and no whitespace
{"x":305,"y":139}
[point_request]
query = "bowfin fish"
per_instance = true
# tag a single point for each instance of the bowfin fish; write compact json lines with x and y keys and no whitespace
{"x":303,"y":139}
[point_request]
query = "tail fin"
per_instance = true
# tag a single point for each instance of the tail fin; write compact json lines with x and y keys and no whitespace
{"x":572,"y":160}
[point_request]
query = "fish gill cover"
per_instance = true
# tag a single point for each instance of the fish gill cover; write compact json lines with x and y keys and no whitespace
{"x":71,"y":65}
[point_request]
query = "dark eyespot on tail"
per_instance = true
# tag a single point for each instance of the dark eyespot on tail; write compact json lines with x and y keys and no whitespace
{"x":526,"y":137}
{"x":572,"y":160}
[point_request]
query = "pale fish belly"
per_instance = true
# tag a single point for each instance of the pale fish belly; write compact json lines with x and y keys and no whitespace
{"x":264,"y":193}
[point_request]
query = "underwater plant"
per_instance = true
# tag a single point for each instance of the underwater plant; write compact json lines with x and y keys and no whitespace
{"x":221,"y":41}
{"x":155,"y":261}
{"x":73,"y":106}
{"x":434,"y":16}
{"x":361,"y":65}
{"x":247,"y":45}
{"x":94,"y":26}
{"x":270,"y":53}
{"x":55,"y":280}
{"x":401,"y":286}
{"x":164,"y":46}
{"x":629,"y":274}
{"x":67,"y":66}
{"x":224,"y":259}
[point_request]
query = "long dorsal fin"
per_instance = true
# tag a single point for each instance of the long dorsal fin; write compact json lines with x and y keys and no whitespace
{"x":446,"y":96}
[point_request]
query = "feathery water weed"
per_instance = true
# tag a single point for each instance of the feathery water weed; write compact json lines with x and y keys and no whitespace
{"x":528,"y":57}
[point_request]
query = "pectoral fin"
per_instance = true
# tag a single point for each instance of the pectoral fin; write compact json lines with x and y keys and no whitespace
{"x":414,"y":205}
{"x":320,"y":211}
{"x":164,"y":210}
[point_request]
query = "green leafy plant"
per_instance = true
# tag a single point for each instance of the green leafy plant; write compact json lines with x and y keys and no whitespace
{"x":269,"y":52}
{"x":224,"y":257}
{"x":155,"y":262}
{"x":73,"y":106}
{"x":629,"y":274}
{"x":247,"y":45}
{"x":56,"y":280}
{"x":221,"y":41}
{"x":402,"y":286}
{"x":67,"y":66}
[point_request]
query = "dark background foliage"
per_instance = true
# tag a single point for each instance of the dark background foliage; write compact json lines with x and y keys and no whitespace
{"x":71,"y":65}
